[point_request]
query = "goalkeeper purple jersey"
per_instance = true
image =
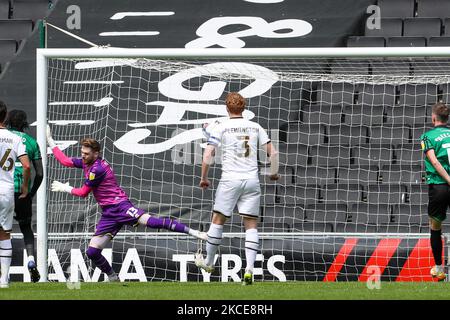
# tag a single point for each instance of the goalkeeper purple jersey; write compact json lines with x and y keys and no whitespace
{"x":100,"y":177}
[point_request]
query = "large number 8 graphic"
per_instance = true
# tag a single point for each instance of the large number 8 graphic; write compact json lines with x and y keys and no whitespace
{"x":5,"y":159}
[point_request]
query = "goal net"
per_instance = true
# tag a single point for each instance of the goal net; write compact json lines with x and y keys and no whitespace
{"x":351,"y":196}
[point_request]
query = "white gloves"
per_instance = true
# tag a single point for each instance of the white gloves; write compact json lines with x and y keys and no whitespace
{"x":61,"y":187}
{"x":51,"y":143}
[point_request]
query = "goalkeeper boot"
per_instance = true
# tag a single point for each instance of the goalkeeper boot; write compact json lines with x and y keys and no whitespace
{"x":248,"y":278}
{"x":438,"y":273}
{"x":200,"y":262}
{"x":34,"y":273}
{"x":113,"y":277}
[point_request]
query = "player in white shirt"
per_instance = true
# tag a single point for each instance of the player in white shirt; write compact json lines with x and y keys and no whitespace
{"x":239,"y":140}
{"x":11,"y":148}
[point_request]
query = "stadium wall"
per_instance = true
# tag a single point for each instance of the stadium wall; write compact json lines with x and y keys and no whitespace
{"x":322,"y":258}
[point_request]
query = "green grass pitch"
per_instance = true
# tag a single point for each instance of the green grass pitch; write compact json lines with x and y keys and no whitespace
{"x":227,"y":291}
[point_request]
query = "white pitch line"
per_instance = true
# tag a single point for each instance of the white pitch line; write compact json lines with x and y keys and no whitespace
{"x":92,"y":82}
{"x":128,"y":33}
{"x":121,"y":15}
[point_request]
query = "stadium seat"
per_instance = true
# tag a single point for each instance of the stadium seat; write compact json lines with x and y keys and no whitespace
{"x":394,"y":227}
{"x":409,"y":154}
{"x":343,"y":192}
{"x":374,"y":95}
{"x":233,"y":227}
{"x":347,"y":135}
{"x":306,"y":133}
{"x":439,"y":41}
{"x":353,"y":66}
{"x":8,"y":50}
{"x":417,"y":194}
{"x":58,"y":227}
{"x":330,"y":156}
{"x":27,"y":9}
{"x":409,"y":214}
{"x":447,"y":27}
{"x":396,"y":8}
{"x":321,"y":114}
{"x":406,"y":42}
{"x":328,"y":212}
{"x":298,"y":194}
{"x":4,"y":9}
{"x":390,"y":66}
{"x":368,"y":115}
{"x":311,"y":226}
{"x":282,"y":214}
{"x":406,"y":115}
{"x":358,"y":174}
{"x":428,"y":65}
{"x":314,"y":175}
{"x":349,"y":227}
{"x":171,"y":193}
{"x":433,"y":8}
{"x":418,"y":130}
{"x":386,"y":194}
{"x":341,"y":93}
{"x":398,"y":173}
{"x":389,"y":134}
{"x":269,"y":193}
{"x":357,"y":41}
{"x":445,"y":94}
{"x":293,"y":155}
{"x":389,"y":27}
{"x":15,"y":29}
{"x":274,"y":227}
{"x":81,"y":227}
{"x":369,"y":154}
{"x":370,"y":214}
{"x":418,"y":94}
{"x":422,"y":27}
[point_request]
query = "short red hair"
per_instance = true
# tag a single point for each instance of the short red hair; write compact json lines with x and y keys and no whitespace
{"x":235,"y":103}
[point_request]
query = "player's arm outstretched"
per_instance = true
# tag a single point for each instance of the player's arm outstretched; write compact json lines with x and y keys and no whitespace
{"x":67,"y":162}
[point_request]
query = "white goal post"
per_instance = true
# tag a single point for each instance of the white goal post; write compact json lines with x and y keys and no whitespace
{"x":259,"y":54}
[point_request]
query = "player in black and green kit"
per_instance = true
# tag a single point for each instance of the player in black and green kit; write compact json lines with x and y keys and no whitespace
{"x":435,"y":144}
{"x":17,"y":122}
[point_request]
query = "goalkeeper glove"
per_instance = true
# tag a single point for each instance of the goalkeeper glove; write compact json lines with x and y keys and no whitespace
{"x":61,"y":187}
{"x":51,"y":143}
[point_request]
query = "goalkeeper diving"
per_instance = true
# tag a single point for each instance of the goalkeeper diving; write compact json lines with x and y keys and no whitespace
{"x":117,"y":210}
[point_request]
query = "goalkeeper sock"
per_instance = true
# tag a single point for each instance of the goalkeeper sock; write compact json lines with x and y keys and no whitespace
{"x":213,"y":242}
{"x":167,"y":223}
{"x":99,"y":260}
{"x":5,"y":259}
{"x":436,"y":246}
{"x":251,"y":248}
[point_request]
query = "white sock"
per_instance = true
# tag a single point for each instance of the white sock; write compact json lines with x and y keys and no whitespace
{"x":213,"y":242}
{"x":5,"y":259}
{"x":251,"y":248}
{"x":31,"y":258}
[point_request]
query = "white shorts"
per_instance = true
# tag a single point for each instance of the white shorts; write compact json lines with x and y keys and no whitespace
{"x":6,"y":211}
{"x":243,"y":193}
